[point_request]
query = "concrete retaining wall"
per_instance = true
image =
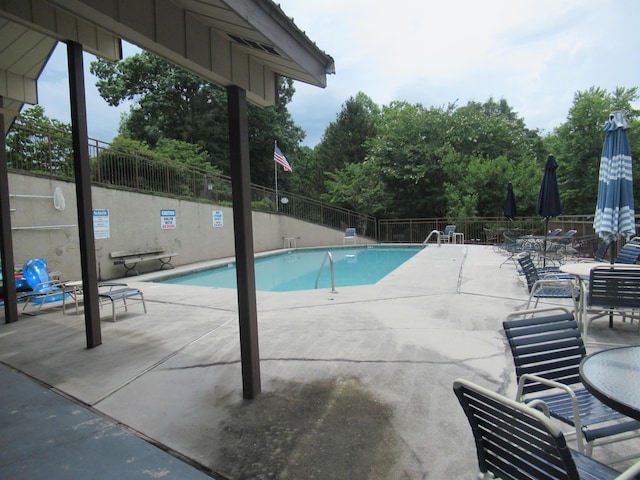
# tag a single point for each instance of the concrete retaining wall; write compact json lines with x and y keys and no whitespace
{"x":135,"y":222}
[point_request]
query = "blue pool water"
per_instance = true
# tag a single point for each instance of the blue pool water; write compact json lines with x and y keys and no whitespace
{"x":298,"y":269}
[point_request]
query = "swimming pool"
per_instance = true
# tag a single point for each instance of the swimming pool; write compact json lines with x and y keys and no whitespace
{"x":298,"y":269}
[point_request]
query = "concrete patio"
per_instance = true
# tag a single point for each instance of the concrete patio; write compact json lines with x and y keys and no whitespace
{"x":356,"y":385}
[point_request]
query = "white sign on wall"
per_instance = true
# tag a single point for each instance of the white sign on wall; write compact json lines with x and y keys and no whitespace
{"x":101,"y":224}
{"x":218,"y":219}
{"x":167,"y":219}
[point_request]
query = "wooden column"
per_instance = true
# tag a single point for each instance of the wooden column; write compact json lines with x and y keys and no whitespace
{"x":82,"y":170}
{"x":6,"y":238}
{"x":245,"y":268}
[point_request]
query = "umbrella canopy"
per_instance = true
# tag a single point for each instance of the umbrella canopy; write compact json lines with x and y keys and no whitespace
{"x":510,"y":203}
{"x":549,"y":196}
{"x":548,"y":199}
{"x":615,"y":214}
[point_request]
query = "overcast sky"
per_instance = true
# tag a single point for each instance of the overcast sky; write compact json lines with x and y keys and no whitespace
{"x":534,"y":53}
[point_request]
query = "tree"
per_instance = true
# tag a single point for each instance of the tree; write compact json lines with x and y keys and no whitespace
{"x":41,"y":144}
{"x":409,"y":149}
{"x":490,"y":147}
{"x":173,"y":103}
{"x":577,"y":144}
{"x":345,"y":140}
{"x":358,"y":187}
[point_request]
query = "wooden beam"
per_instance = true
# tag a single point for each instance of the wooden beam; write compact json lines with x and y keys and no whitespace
{"x":82,"y":170}
{"x":245,"y":268}
{"x":6,"y":238}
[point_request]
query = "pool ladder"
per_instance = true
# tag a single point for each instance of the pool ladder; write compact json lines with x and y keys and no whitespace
{"x":333,"y":278}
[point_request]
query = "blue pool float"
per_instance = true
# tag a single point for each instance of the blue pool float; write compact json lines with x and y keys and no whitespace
{"x":35,"y":273}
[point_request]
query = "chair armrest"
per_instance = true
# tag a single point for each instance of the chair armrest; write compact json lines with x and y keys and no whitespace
{"x":545,"y":381}
{"x":553,"y":384}
{"x":540,"y":405}
{"x":47,"y":285}
{"x":630,"y":473}
{"x":555,"y":282}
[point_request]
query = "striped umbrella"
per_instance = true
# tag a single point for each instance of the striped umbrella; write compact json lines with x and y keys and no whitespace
{"x":615,"y":214}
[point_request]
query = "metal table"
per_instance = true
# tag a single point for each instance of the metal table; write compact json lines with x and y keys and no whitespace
{"x":613,"y":376}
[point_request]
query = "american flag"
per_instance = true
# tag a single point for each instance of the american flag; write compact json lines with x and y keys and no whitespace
{"x":279,"y":157}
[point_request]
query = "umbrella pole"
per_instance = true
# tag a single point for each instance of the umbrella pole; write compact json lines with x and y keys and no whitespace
{"x":614,"y":249}
{"x":544,"y":242}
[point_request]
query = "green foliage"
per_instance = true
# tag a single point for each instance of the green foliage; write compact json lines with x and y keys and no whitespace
{"x":357,"y":187}
{"x":41,"y":145}
{"x":266,"y":205}
{"x":577,"y":144}
{"x":171,"y":103}
{"x":345,"y":140}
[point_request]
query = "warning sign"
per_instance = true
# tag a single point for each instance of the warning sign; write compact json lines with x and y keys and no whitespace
{"x":167,"y":219}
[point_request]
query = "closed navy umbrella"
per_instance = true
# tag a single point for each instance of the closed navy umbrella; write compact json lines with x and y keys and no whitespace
{"x":615,"y":213}
{"x":549,"y":196}
{"x":510,"y":210}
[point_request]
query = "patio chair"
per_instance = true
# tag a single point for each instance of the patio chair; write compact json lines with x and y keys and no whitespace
{"x":512,"y":245}
{"x":514,"y":441}
{"x":44,"y":289}
{"x":613,"y":290}
{"x":556,"y":248}
{"x":630,"y":252}
{"x":349,"y":234}
{"x":547,"y":349}
{"x":447,"y":234}
{"x":600,"y":254}
{"x":542,"y":283}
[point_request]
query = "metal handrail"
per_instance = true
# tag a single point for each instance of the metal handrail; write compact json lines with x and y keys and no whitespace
{"x":426,"y":240}
{"x":333,"y":278}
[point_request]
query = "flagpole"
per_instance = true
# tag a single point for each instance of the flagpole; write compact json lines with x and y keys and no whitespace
{"x":275,"y":167}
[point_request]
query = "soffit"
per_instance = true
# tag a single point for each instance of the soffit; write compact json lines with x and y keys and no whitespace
{"x":228,"y":42}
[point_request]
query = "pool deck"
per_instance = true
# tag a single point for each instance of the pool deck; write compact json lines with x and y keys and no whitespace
{"x":355,"y":384}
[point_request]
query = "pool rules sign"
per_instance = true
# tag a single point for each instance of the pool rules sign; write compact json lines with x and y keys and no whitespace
{"x":167,"y":219}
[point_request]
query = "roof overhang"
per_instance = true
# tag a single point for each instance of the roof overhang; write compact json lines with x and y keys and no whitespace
{"x":247,"y":43}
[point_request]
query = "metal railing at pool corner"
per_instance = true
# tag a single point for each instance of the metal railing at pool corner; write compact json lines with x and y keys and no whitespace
{"x":333,"y":278}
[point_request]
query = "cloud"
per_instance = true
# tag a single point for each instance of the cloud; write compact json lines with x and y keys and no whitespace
{"x":53,"y":95}
{"x":534,"y":53}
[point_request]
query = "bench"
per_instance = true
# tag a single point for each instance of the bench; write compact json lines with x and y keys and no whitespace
{"x":130,"y":259}
{"x":122,"y":295}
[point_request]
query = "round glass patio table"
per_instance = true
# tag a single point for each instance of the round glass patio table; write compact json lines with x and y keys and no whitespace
{"x":613,"y":376}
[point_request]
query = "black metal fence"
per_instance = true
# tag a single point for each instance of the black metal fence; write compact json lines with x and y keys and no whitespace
{"x":50,"y":153}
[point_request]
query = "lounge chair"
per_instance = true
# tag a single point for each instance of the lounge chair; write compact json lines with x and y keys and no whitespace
{"x":349,"y":234}
{"x":542,"y":283}
{"x":44,"y":289}
{"x":119,"y":292}
{"x":514,"y":441}
{"x":630,"y":252}
{"x":547,"y":349}
{"x":600,"y":254}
